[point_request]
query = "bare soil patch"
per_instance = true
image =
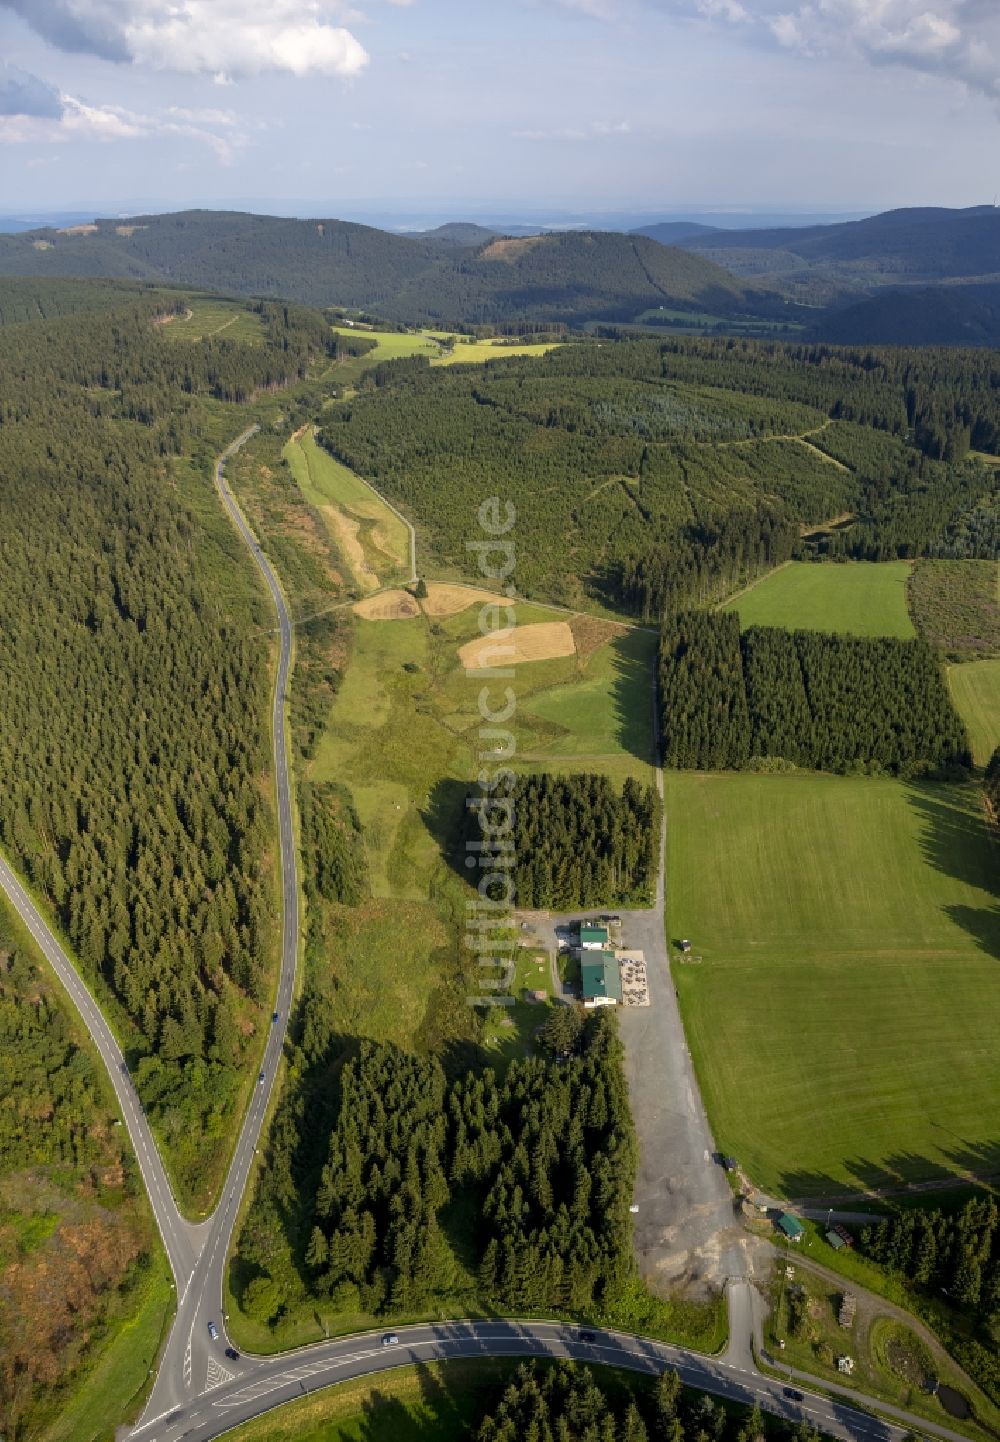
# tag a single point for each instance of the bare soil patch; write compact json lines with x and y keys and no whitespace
{"x":443,"y":599}
{"x":510,"y":250}
{"x":387,"y":606}
{"x":540,"y":642}
{"x":345,"y":528}
{"x":78,"y":230}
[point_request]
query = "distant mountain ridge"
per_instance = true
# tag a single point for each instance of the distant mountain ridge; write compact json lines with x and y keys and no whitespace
{"x":566,"y":277}
{"x":924,"y":243}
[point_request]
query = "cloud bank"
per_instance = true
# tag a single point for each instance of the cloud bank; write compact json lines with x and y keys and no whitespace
{"x":956,"y":40}
{"x":214,"y":37}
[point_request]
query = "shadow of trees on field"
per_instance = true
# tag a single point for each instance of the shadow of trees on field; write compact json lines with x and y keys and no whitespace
{"x":958,"y":841}
{"x":903,"y":1173}
{"x":632,"y":693}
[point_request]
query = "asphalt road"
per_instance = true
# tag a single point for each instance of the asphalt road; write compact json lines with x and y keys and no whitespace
{"x":269,"y":1383}
{"x":199,"y":1393}
{"x":191,"y":1359}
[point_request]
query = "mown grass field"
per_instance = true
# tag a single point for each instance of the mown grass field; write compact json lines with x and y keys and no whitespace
{"x":844,"y":1016}
{"x":862,"y":598}
{"x":975,"y":689}
{"x":474,"y":352}
{"x":440,"y":347}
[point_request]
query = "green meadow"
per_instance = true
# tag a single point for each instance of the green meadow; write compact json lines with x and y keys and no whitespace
{"x":860,"y":598}
{"x":403,"y":734}
{"x":441,"y":347}
{"x":844,"y":1014}
{"x":975,"y":690}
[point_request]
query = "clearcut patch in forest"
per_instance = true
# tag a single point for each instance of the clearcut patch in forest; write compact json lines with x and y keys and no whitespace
{"x":844,"y":1016}
{"x":975,"y":690}
{"x":858,"y":598}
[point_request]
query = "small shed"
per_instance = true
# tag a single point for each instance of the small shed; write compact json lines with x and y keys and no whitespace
{"x":836,"y":1240}
{"x":592,"y":937}
{"x":791,"y":1227}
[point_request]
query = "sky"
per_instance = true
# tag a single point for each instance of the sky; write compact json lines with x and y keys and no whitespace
{"x":325,"y":106}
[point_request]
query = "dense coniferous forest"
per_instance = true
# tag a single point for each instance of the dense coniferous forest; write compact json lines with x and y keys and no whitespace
{"x":831,"y":703}
{"x":133,"y":736}
{"x":563,"y":1403}
{"x":957,"y":1253}
{"x":575,"y":840}
{"x":546,"y":1153}
{"x":331,"y":844}
{"x":678,"y":470}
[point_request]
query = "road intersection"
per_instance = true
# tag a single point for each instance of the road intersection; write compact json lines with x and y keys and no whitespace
{"x":199,"y":1392}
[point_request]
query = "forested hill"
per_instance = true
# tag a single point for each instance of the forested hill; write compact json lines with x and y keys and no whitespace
{"x":656,"y":474}
{"x":560,"y":277}
{"x":134,"y":668}
{"x":23,"y":299}
{"x":918,"y":315}
{"x":926,"y":243}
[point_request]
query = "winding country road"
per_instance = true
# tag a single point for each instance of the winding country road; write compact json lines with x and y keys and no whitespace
{"x":199,"y":1393}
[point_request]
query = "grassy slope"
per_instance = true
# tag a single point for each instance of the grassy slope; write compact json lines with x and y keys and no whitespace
{"x":325,"y":482}
{"x":863,"y":598}
{"x":117,"y":1383}
{"x":408,"y":1405}
{"x":843,"y":1020}
{"x":975,"y":689}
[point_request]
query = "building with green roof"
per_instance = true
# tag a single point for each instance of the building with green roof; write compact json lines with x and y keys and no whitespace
{"x":593,"y":937}
{"x":600,"y":978}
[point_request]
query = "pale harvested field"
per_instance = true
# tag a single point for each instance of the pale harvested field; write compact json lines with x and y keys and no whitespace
{"x":540,"y":642}
{"x":387,"y":606}
{"x":443,"y":599}
{"x":346,"y":531}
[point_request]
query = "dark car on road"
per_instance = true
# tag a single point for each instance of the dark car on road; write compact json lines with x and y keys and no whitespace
{"x":588,"y":1336}
{"x":795,"y":1396}
{"x":232,"y":1354}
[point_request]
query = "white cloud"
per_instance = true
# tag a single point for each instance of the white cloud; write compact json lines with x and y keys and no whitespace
{"x":219,"y":38}
{"x":80,"y":120}
{"x":958,"y":40}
